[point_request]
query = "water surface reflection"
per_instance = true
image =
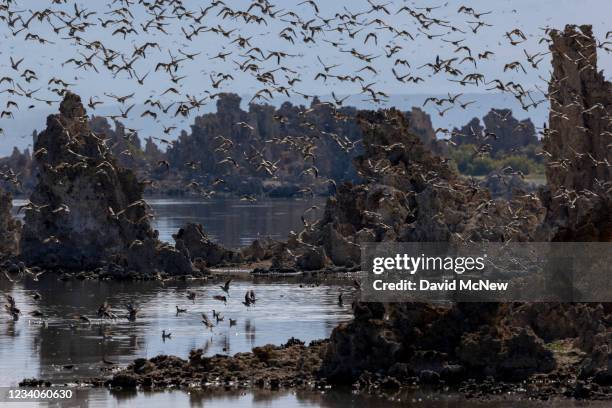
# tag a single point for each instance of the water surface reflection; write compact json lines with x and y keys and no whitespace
{"x":307,"y":399}
{"x":61,"y":348}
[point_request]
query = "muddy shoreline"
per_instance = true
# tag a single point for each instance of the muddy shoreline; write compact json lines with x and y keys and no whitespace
{"x":296,"y":366}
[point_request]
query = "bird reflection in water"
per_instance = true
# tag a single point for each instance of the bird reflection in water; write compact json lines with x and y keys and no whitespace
{"x":224,"y":343}
{"x":249,"y":331}
{"x":206,"y":345}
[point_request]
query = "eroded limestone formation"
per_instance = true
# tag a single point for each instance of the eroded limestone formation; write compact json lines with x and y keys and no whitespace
{"x":9,"y":227}
{"x":500,"y":130}
{"x":86,"y":211}
{"x":413,"y":195}
{"x":410,"y":195}
{"x":578,"y":139}
{"x":507,"y":341}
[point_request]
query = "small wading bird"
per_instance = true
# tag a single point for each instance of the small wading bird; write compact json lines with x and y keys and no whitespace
{"x":132,"y":312}
{"x":104,"y":311}
{"x":166,"y":335}
{"x":12,"y":308}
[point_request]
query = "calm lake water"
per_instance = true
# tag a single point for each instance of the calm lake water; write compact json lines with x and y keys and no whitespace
{"x":301,"y":399}
{"x":29,"y":348}
{"x":230,"y":221}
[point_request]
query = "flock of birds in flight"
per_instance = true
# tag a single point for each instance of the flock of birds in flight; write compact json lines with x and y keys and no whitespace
{"x":350,"y":36}
{"x":129,"y":40}
{"x":362,"y":42}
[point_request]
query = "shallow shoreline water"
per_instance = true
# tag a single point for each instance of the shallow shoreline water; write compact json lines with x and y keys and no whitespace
{"x":42,"y":347}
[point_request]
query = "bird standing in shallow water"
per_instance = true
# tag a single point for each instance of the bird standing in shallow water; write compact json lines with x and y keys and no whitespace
{"x":166,"y":335}
{"x":104,"y":311}
{"x":132,"y":312}
{"x":11,"y":308}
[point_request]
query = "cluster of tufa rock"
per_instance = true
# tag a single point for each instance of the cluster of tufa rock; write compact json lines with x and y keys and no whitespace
{"x":9,"y":227}
{"x":510,"y":133}
{"x":86,"y":211}
{"x":578,"y":169}
{"x":412,"y":196}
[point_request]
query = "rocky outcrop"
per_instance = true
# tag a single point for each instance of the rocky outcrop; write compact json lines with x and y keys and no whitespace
{"x":86,"y":210}
{"x":193,"y":241}
{"x":413,"y":195}
{"x":291,"y":365}
{"x":17,"y":172}
{"x":425,"y":201}
{"x":502,"y":132}
{"x":123,"y":143}
{"x":410,"y":195}
{"x":259,"y":134}
{"x":419,"y":123}
{"x":9,"y":227}
{"x":579,"y":194}
{"x":507,"y":186}
{"x":416,"y":340}
{"x":263,"y":159}
{"x":578,"y":170}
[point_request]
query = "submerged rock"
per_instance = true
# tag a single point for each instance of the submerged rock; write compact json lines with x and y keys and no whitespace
{"x":86,"y":210}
